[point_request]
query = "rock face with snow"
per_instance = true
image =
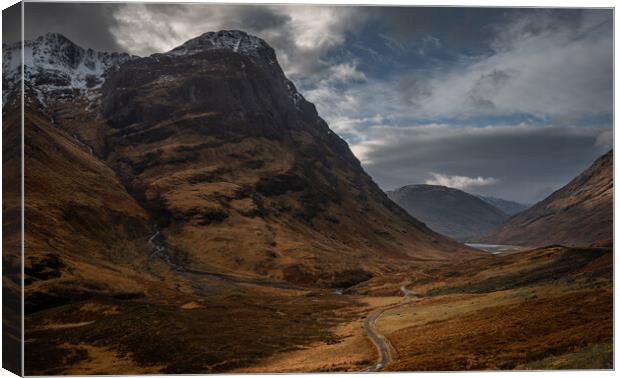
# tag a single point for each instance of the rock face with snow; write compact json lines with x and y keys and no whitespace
{"x":229,"y":71}
{"x":55,"y":68}
{"x":240,"y":42}
{"x":235,"y":40}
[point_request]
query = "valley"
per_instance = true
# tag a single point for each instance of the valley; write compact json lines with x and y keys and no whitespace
{"x":191,"y":212}
{"x":486,"y":319}
{"x":393,"y":323}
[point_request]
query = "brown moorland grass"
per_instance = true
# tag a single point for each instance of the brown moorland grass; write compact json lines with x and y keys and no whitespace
{"x":503,"y":337}
{"x":353,"y":352}
{"x":219,"y":333}
{"x":598,"y":355}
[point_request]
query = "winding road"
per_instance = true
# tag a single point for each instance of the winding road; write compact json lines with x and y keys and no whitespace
{"x":378,"y":339}
{"x":381,"y":342}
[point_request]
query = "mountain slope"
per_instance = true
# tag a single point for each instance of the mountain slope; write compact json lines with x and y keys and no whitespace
{"x":578,"y":214}
{"x":508,"y":207}
{"x":95,"y":285}
{"x":241,"y":172}
{"x":80,"y":226}
{"x":184,"y":186}
{"x":215,"y":147}
{"x":448,"y":211}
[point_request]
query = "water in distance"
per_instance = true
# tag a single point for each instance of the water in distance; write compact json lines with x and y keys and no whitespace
{"x":496,"y":249}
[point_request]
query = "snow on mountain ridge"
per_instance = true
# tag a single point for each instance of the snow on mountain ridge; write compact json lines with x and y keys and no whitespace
{"x":235,"y":40}
{"x":56,"y":67}
{"x":239,"y":42}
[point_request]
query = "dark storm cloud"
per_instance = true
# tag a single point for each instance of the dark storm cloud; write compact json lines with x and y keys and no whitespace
{"x":461,"y":27}
{"x":256,"y":18}
{"x":88,"y":25}
{"x":11,"y":24}
{"x":520,"y":159}
{"x":468,"y":29}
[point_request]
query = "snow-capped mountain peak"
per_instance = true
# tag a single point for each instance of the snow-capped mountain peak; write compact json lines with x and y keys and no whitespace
{"x":55,"y":67}
{"x":239,"y":42}
{"x":235,"y":40}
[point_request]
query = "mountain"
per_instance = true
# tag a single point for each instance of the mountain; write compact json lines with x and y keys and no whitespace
{"x":55,"y":67}
{"x":579,"y":214}
{"x":449,"y":211}
{"x":508,"y":207}
{"x":241,"y":173}
{"x":210,"y":150}
{"x":190,"y":212}
{"x":185,"y":185}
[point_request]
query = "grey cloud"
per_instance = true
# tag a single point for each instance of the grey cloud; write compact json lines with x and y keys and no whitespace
{"x":464,"y":28}
{"x":473,"y":29}
{"x":536,"y":22}
{"x":11,"y":24}
{"x":487,"y":85}
{"x":412,"y":89}
{"x":522,"y":158}
{"x":87,"y":24}
{"x":560,"y":74}
{"x":301,"y":35}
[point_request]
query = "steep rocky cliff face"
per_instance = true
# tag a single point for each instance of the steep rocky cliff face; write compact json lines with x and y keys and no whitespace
{"x":578,"y":214}
{"x":242,"y":174}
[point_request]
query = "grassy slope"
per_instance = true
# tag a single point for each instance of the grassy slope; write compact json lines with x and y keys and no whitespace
{"x":480,"y":316}
{"x":578,"y":214}
{"x":11,"y":240}
{"x":97,"y":303}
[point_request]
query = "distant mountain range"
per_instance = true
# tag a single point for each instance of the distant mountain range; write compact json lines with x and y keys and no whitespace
{"x":508,"y":207}
{"x":450,"y":211}
{"x":579,"y":214}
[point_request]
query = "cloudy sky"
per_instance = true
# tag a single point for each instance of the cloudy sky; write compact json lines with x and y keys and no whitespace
{"x":504,"y":102}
